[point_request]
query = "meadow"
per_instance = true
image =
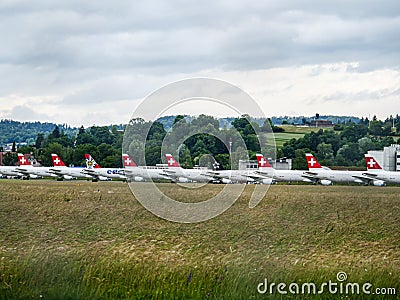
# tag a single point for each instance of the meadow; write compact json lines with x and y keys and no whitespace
{"x":85,"y":240}
{"x":291,"y":132}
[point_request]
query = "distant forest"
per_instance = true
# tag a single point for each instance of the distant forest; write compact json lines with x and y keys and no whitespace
{"x":26,"y":132}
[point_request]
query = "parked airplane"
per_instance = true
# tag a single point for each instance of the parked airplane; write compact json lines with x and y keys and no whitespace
{"x":326,"y":176}
{"x":10,"y":171}
{"x":265,"y":169}
{"x":235,"y":176}
{"x":98,"y":173}
{"x":135,"y":173}
{"x":64,"y":172}
{"x":375,"y":170}
{"x":243,"y":176}
{"x":178,"y":174}
{"x":29,"y":171}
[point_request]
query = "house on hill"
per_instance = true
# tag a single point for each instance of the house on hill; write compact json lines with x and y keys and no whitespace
{"x":321,"y":123}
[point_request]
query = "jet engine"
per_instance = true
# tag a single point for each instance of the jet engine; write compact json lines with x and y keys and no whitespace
{"x":326,"y":182}
{"x":379,"y":183}
{"x":183,"y":179}
{"x":226,"y":181}
{"x":267,"y":181}
{"x":138,"y":178}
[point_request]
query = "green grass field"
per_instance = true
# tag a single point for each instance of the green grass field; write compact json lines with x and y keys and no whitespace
{"x":84,"y":240}
{"x":283,"y":137}
{"x":291,"y":132}
{"x":300,"y":129}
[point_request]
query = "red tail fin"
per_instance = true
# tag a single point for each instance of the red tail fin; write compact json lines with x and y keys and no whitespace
{"x":312,"y":162}
{"x":171,"y":161}
{"x":22,"y":160}
{"x":90,"y":162}
{"x":262,"y":162}
{"x":127,"y":160}
{"x":372,"y":164}
{"x":57,"y":162}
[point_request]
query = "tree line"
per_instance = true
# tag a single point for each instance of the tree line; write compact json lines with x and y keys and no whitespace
{"x":344,"y":145}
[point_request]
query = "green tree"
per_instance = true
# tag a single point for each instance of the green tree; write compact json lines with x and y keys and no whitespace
{"x":25,"y":149}
{"x":55,"y":134}
{"x":10,"y":159}
{"x":179,"y":119}
{"x":45,"y":155}
{"x":105,"y":150}
{"x":84,"y":137}
{"x":112,"y":161}
{"x":366,"y":144}
{"x":353,"y":132}
{"x":186,"y":159}
{"x":376,"y":128}
{"x":203,"y":121}
{"x":101,"y":134}
{"x":39,"y":140}
{"x":224,"y":161}
{"x":240,"y":153}
{"x":153,"y":155}
{"x":78,"y":157}
{"x":349,"y":153}
{"x":300,"y":162}
{"x":324,"y":151}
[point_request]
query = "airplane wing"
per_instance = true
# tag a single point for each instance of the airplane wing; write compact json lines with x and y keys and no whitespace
{"x":167,"y":171}
{"x":309,"y":173}
{"x":24,"y":171}
{"x":170,"y":174}
{"x":258,"y":177}
{"x":91,"y":172}
{"x":371,"y":175}
{"x":312,"y":176}
{"x":262,"y":173}
{"x":57,"y":171}
{"x":215,"y":175}
{"x":366,"y":177}
{"x":68,"y":172}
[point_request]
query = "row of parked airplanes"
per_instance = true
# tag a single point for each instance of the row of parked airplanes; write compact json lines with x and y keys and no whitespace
{"x":264,"y":174}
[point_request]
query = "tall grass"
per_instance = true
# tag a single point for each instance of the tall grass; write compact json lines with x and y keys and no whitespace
{"x":79,"y":240}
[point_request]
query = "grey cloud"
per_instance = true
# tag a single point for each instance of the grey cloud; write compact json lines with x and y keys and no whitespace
{"x":84,"y":51}
{"x":25,"y":113}
{"x":361,"y":96}
{"x":160,"y":36}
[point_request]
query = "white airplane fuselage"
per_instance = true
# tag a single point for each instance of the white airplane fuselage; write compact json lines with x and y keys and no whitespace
{"x":9,"y":171}
{"x":142,"y":174}
{"x":290,"y":175}
{"x":178,"y":173}
{"x":115,"y":173}
{"x":387,"y":176}
{"x":69,"y":171}
{"x":344,"y":176}
{"x":38,"y":171}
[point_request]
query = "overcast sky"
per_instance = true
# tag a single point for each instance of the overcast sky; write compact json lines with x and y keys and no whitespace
{"x":91,"y":62}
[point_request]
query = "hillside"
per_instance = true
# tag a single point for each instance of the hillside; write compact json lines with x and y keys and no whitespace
{"x":168,"y":121}
{"x":26,"y":132}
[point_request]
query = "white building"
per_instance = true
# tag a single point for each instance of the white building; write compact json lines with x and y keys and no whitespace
{"x":389,"y":158}
{"x":279,"y":164}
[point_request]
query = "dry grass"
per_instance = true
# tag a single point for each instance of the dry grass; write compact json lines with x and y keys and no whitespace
{"x":103,"y":232}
